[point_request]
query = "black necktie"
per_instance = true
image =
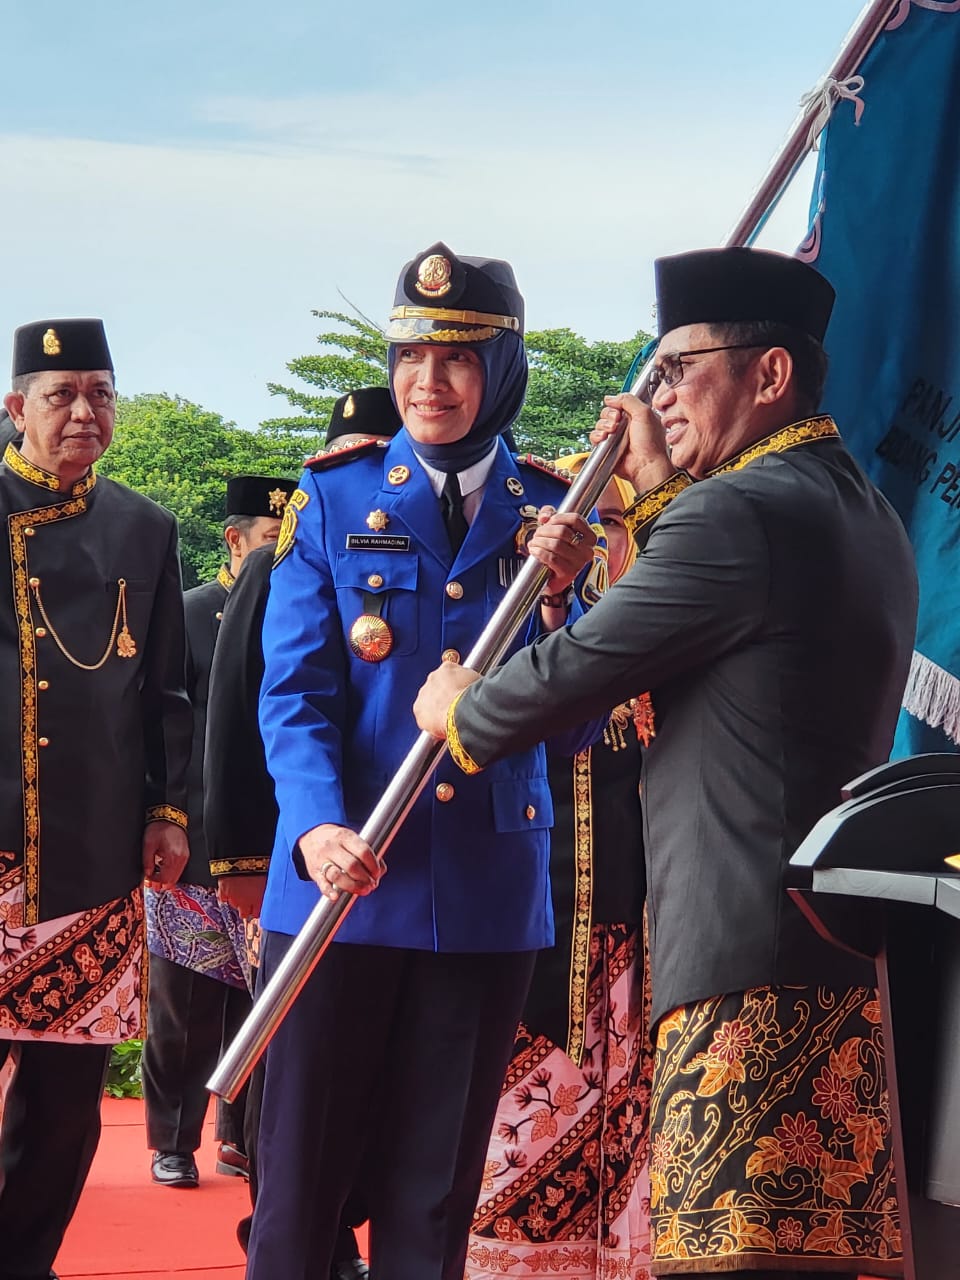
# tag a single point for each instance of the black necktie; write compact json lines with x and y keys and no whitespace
{"x":451,"y":505}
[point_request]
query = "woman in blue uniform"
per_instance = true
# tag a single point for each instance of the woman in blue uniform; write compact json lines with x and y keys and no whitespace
{"x":386,"y":1073}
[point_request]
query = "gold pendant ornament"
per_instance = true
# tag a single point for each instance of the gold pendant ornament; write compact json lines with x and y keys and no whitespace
{"x":371,"y":639}
{"x":377,"y":520}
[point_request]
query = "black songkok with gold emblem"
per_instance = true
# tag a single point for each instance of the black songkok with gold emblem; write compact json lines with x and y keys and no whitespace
{"x":727,"y":286}
{"x":443,"y":298}
{"x":368,"y":411}
{"x":60,"y":344}
{"x":258,"y":496}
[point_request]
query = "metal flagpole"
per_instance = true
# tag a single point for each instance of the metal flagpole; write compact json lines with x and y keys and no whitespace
{"x":318,"y":931}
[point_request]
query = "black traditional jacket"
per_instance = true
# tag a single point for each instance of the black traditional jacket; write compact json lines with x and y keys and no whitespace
{"x":771,"y":614}
{"x":203,"y":609}
{"x":240,"y":809}
{"x":94,"y":718}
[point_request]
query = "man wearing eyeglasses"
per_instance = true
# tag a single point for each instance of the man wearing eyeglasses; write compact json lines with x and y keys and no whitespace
{"x":771,"y":614}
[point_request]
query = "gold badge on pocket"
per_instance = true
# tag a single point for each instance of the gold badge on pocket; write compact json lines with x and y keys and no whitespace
{"x":371,"y":639}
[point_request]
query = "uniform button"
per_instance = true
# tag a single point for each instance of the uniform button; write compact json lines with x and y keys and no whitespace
{"x":29,"y":531}
{"x":531,"y":812}
{"x":34,"y":582}
{"x":454,"y":590}
{"x":43,"y":684}
{"x":445,"y":792}
{"x":41,"y":632}
{"x":219,"y":616}
{"x":450,"y":655}
{"x":43,"y":742}
{"x":375,"y":580}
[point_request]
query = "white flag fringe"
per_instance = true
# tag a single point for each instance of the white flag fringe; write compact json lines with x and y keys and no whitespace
{"x":933,"y":696}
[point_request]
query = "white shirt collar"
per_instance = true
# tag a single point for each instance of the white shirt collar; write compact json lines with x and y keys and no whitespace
{"x":472,"y":478}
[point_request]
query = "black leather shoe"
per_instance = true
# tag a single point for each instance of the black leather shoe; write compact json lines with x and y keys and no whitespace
{"x":171,"y":1169}
{"x":350,"y":1269}
{"x":232,"y":1161}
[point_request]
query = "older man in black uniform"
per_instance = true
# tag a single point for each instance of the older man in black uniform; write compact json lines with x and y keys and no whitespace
{"x":771,"y":614}
{"x":198,"y":994}
{"x":96,"y":727}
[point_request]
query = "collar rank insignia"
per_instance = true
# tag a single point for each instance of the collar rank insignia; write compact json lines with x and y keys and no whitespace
{"x":51,"y":343}
{"x":398,"y":475}
{"x":278,"y":500}
{"x":377,"y":520}
{"x":514,"y":486}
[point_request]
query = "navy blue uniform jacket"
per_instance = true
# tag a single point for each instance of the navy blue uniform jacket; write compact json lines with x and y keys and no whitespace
{"x":467,"y":873}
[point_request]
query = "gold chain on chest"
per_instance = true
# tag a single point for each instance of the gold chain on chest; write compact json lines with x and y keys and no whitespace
{"x":126,"y":646}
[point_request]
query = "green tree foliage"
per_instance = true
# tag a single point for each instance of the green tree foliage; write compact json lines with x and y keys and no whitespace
{"x":568,"y":379}
{"x":182,"y":456}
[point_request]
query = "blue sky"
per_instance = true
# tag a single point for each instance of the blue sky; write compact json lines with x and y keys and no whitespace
{"x":204,"y":174}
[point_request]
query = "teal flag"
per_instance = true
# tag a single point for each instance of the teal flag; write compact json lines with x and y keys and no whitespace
{"x":885,"y":230}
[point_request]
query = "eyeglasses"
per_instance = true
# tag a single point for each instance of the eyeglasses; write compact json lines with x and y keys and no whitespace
{"x":670,"y":369}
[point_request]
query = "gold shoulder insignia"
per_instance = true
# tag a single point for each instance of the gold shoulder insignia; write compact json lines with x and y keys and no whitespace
{"x":288,"y":525}
{"x":357,"y":447}
{"x":543,"y":464}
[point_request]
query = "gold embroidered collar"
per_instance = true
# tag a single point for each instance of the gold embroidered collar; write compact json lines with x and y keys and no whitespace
{"x":808,"y":431}
{"x":225,"y":578}
{"x":46,"y":479}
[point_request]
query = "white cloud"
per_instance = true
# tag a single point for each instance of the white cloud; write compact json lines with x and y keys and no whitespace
{"x":206,"y":260}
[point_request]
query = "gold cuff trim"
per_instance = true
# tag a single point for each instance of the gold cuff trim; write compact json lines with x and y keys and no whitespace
{"x":239,"y":866}
{"x":46,"y":479}
{"x":807,"y":431}
{"x":461,"y":757}
{"x":649,"y":505}
{"x":458,"y":317}
{"x":225,"y":577}
{"x":167,"y":813}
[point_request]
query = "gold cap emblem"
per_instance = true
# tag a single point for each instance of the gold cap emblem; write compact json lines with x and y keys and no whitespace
{"x":398,"y":475}
{"x":370,"y":638}
{"x":278,"y":500}
{"x":51,"y":343}
{"x":433,"y":276}
{"x":377,"y":520}
{"x":349,"y":409}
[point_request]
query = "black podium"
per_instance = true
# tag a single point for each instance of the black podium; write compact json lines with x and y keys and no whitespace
{"x":872,"y":878}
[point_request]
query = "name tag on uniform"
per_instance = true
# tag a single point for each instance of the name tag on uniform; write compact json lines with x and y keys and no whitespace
{"x":378,"y":542}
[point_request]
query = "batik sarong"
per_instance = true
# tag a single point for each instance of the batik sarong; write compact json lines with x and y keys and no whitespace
{"x":771,"y":1137}
{"x":76,"y":979}
{"x":188,"y":925}
{"x":565,"y":1189}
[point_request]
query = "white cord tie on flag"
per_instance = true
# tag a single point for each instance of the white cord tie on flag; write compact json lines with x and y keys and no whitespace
{"x":824,"y":96}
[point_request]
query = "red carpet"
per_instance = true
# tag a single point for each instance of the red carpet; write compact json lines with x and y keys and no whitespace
{"x":126,"y":1226}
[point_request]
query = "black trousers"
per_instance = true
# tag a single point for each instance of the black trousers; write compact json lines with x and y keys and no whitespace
{"x":384,"y":1078}
{"x":50,"y":1131}
{"x":190,"y":1018}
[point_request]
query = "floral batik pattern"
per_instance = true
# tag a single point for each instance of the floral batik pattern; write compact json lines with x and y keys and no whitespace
{"x":565,"y":1189}
{"x":770,"y":1135}
{"x":189,"y":925}
{"x":76,"y":979}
